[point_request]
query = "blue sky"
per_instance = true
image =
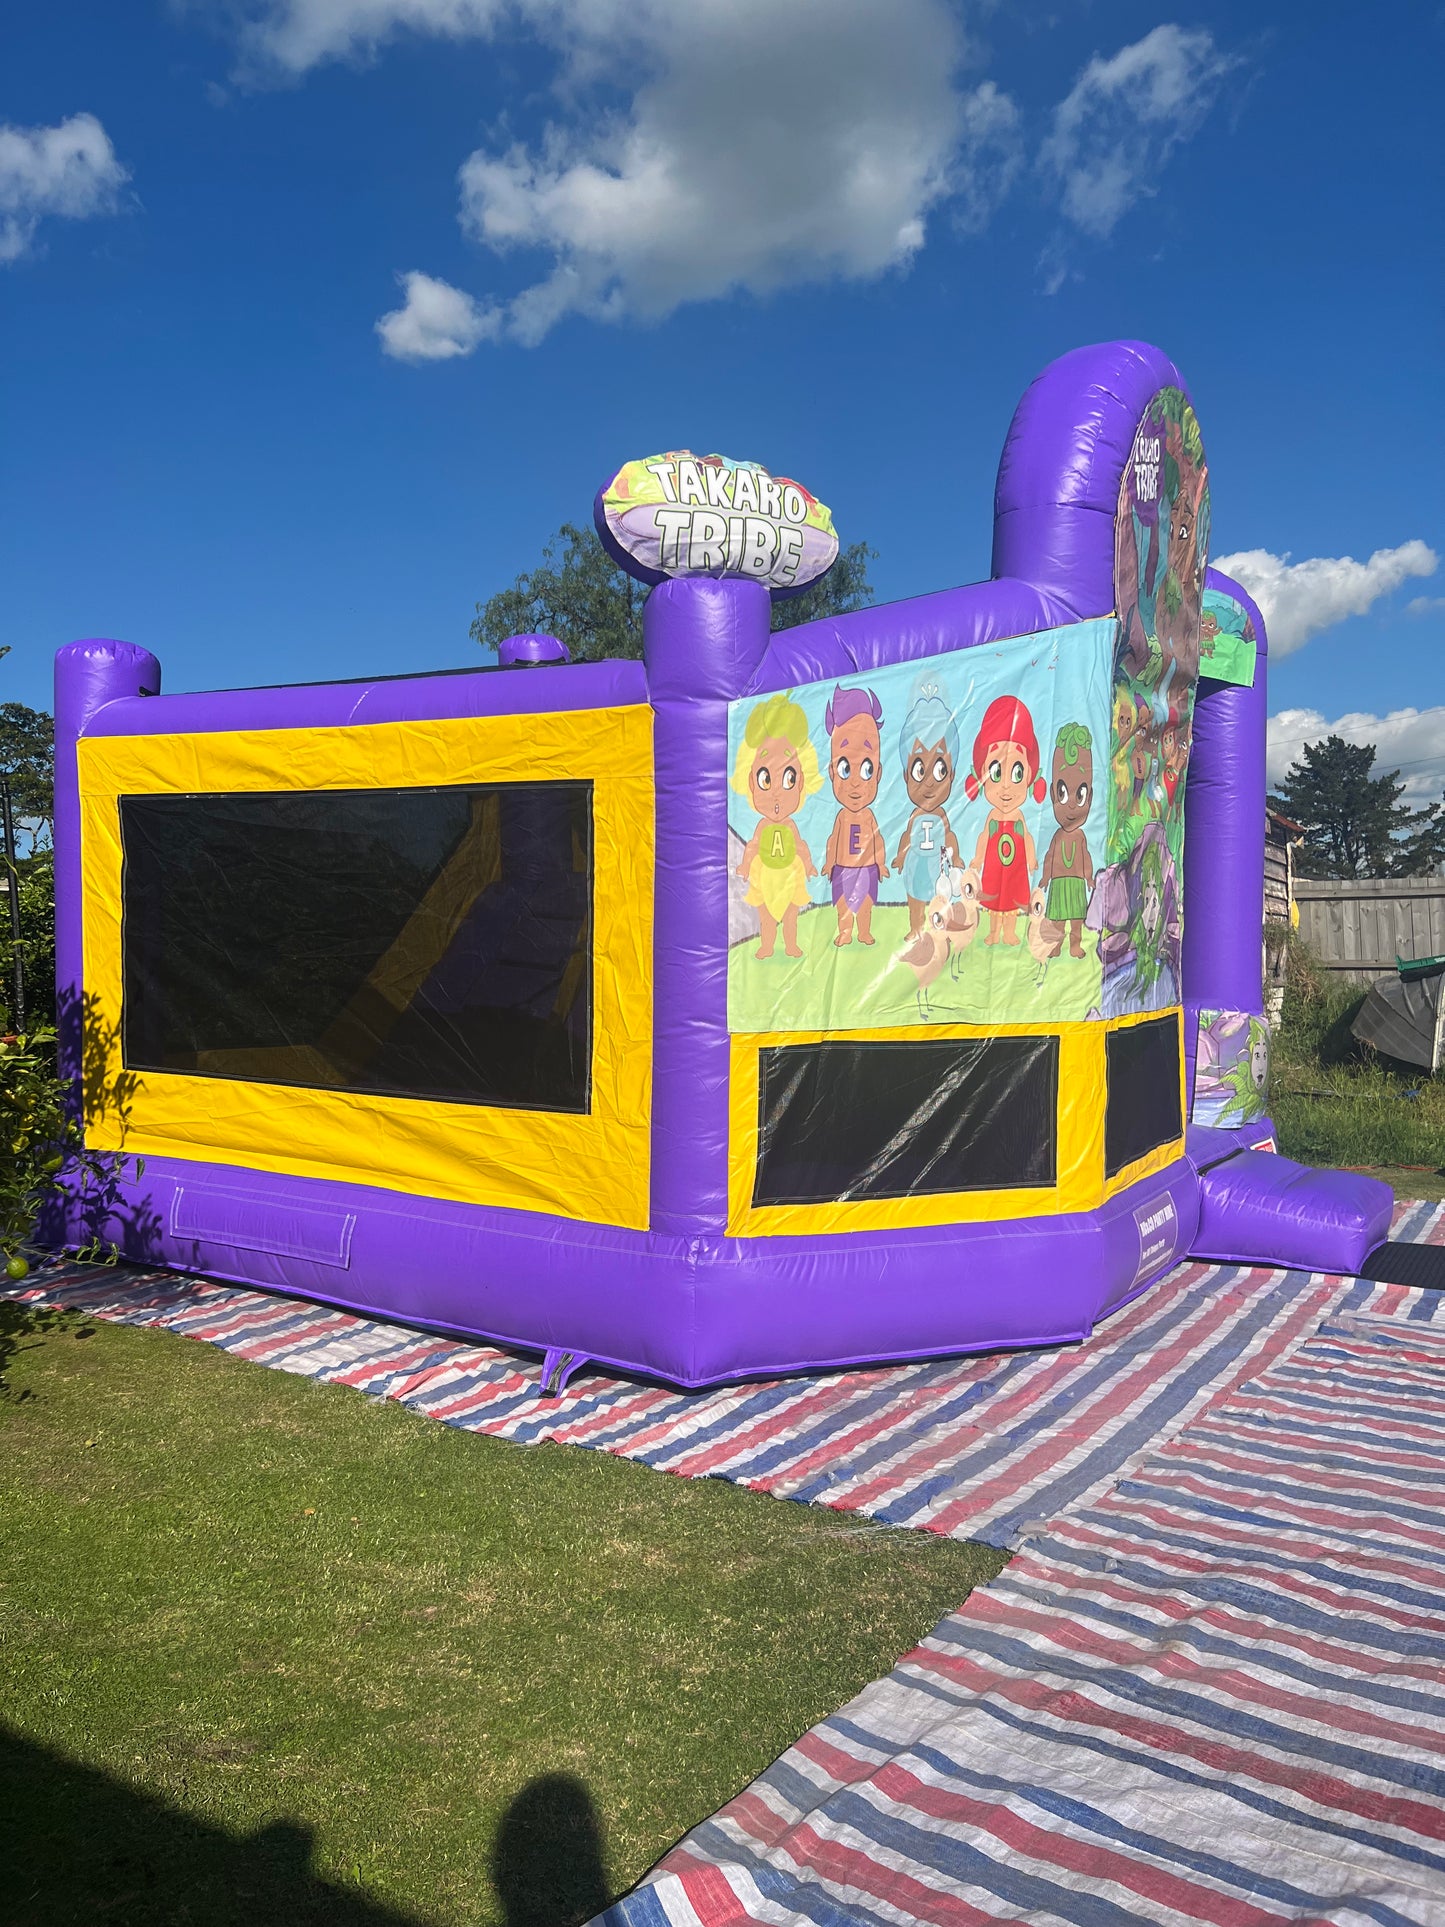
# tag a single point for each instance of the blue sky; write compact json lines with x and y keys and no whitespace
{"x":836,"y":236}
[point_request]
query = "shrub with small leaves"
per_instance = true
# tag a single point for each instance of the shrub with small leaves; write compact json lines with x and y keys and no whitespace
{"x":39,"y":1137}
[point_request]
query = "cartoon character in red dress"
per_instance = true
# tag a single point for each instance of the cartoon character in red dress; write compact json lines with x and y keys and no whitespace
{"x":1005,"y":768}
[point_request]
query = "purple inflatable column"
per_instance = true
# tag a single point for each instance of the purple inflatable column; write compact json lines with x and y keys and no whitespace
{"x":1224,"y":843}
{"x":702,"y":641}
{"x":88,"y":675}
{"x":1058,"y":478}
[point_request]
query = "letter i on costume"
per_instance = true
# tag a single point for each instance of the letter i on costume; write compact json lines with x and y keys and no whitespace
{"x":1005,"y":768}
{"x":776,"y":768}
{"x":929,"y":747}
{"x":855,"y":857}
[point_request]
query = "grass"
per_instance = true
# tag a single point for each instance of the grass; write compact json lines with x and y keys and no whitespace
{"x":1335,"y":1102}
{"x":274,"y":1652}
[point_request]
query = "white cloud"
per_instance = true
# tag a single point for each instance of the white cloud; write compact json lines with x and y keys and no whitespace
{"x":1425,"y":605}
{"x":436,"y":322}
{"x":990,"y":150}
{"x":68,"y":170}
{"x":1298,"y":599}
{"x":764,"y":146}
{"x":708,"y":146}
{"x":1410,"y":740}
{"x":755,"y":145}
{"x":1123,"y":118}
{"x":294,"y":35}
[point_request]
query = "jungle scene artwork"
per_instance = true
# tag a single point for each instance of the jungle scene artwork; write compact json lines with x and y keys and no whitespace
{"x":1161,"y":552}
{"x":920,"y":844}
{"x":1227,"y":642}
{"x":1231,"y":1069}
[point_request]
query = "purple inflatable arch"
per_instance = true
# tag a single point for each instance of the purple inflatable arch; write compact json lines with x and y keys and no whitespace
{"x":438,"y":997}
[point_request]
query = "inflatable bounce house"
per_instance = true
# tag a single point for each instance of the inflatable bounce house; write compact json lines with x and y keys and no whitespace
{"x":883,"y":987}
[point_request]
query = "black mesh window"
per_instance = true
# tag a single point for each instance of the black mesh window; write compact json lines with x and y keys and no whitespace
{"x":892,"y":1120}
{"x":414,"y":942}
{"x":1142,"y":1110}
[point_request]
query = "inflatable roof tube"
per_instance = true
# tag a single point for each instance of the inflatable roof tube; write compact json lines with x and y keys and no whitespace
{"x":553,"y":687}
{"x":1058,"y":478}
{"x":1055,"y":500}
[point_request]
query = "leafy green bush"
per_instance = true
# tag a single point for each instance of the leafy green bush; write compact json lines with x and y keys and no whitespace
{"x":36,"y":1135}
{"x":41,"y":1145}
{"x":35,"y":876}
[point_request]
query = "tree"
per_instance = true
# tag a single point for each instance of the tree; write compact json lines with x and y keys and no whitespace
{"x":1354,"y":822}
{"x":578,"y":593}
{"x":27,"y":762}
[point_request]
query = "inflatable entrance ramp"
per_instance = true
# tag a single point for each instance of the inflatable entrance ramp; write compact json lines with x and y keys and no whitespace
{"x":884,"y":987}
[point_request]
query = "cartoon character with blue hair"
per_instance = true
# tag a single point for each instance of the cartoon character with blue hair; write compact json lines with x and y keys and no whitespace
{"x":929,"y":747}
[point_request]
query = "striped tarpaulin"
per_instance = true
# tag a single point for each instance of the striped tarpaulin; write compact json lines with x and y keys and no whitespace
{"x":977,"y":1448}
{"x":1214,"y":1693}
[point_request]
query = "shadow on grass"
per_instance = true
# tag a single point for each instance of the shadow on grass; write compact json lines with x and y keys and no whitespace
{"x":83,"y":1847}
{"x":19,"y":1323}
{"x":547,"y":1862}
{"x":86,"y":1848}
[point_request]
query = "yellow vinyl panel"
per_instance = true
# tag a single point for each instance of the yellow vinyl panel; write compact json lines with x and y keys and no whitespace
{"x":593,"y":1167}
{"x":1155,"y":1160}
{"x":1080,"y":1140}
{"x":1080,"y":1183}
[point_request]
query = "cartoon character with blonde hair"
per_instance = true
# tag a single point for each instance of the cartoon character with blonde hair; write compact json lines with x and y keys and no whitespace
{"x":776,"y":768}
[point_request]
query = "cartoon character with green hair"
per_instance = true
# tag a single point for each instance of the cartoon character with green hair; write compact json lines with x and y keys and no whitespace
{"x":776,"y":768}
{"x":1068,"y":873}
{"x":1245,"y":1081}
{"x":1149,"y":927}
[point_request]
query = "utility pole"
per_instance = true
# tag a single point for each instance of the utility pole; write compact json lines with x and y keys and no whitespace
{"x":12,"y":891}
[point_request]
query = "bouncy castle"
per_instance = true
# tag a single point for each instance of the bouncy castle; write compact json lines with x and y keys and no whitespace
{"x":881,"y":987}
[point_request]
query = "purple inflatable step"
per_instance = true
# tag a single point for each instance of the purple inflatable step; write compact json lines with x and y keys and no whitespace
{"x":1260,"y":1209}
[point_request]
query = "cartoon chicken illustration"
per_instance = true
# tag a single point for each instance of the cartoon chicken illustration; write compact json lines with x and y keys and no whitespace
{"x":959,"y":890}
{"x":1042,"y":936}
{"x":928,"y":952}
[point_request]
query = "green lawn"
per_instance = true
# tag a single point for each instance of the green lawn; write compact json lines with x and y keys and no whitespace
{"x":1336,"y":1103}
{"x":273,"y":1652}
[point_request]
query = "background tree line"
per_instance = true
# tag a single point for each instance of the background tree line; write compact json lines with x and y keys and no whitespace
{"x":1354,"y":821}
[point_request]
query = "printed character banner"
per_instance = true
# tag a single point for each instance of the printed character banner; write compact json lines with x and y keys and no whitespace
{"x":1227,"y":642}
{"x":919,"y":845}
{"x":1161,"y":552}
{"x":1231,"y":1068}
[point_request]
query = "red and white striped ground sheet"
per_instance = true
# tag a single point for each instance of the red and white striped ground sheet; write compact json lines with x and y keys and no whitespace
{"x":978,"y":1448}
{"x":1215,"y":1693}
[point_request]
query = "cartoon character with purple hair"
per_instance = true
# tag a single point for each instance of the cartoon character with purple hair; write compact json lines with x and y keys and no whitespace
{"x":855,"y":858}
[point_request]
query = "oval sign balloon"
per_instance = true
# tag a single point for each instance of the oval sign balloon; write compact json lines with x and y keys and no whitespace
{"x":684,"y":514}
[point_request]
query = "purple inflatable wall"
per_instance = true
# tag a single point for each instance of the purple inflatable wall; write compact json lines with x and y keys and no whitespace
{"x":683,"y":1297}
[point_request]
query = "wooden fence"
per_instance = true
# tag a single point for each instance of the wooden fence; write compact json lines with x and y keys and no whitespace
{"x":1358,"y":929}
